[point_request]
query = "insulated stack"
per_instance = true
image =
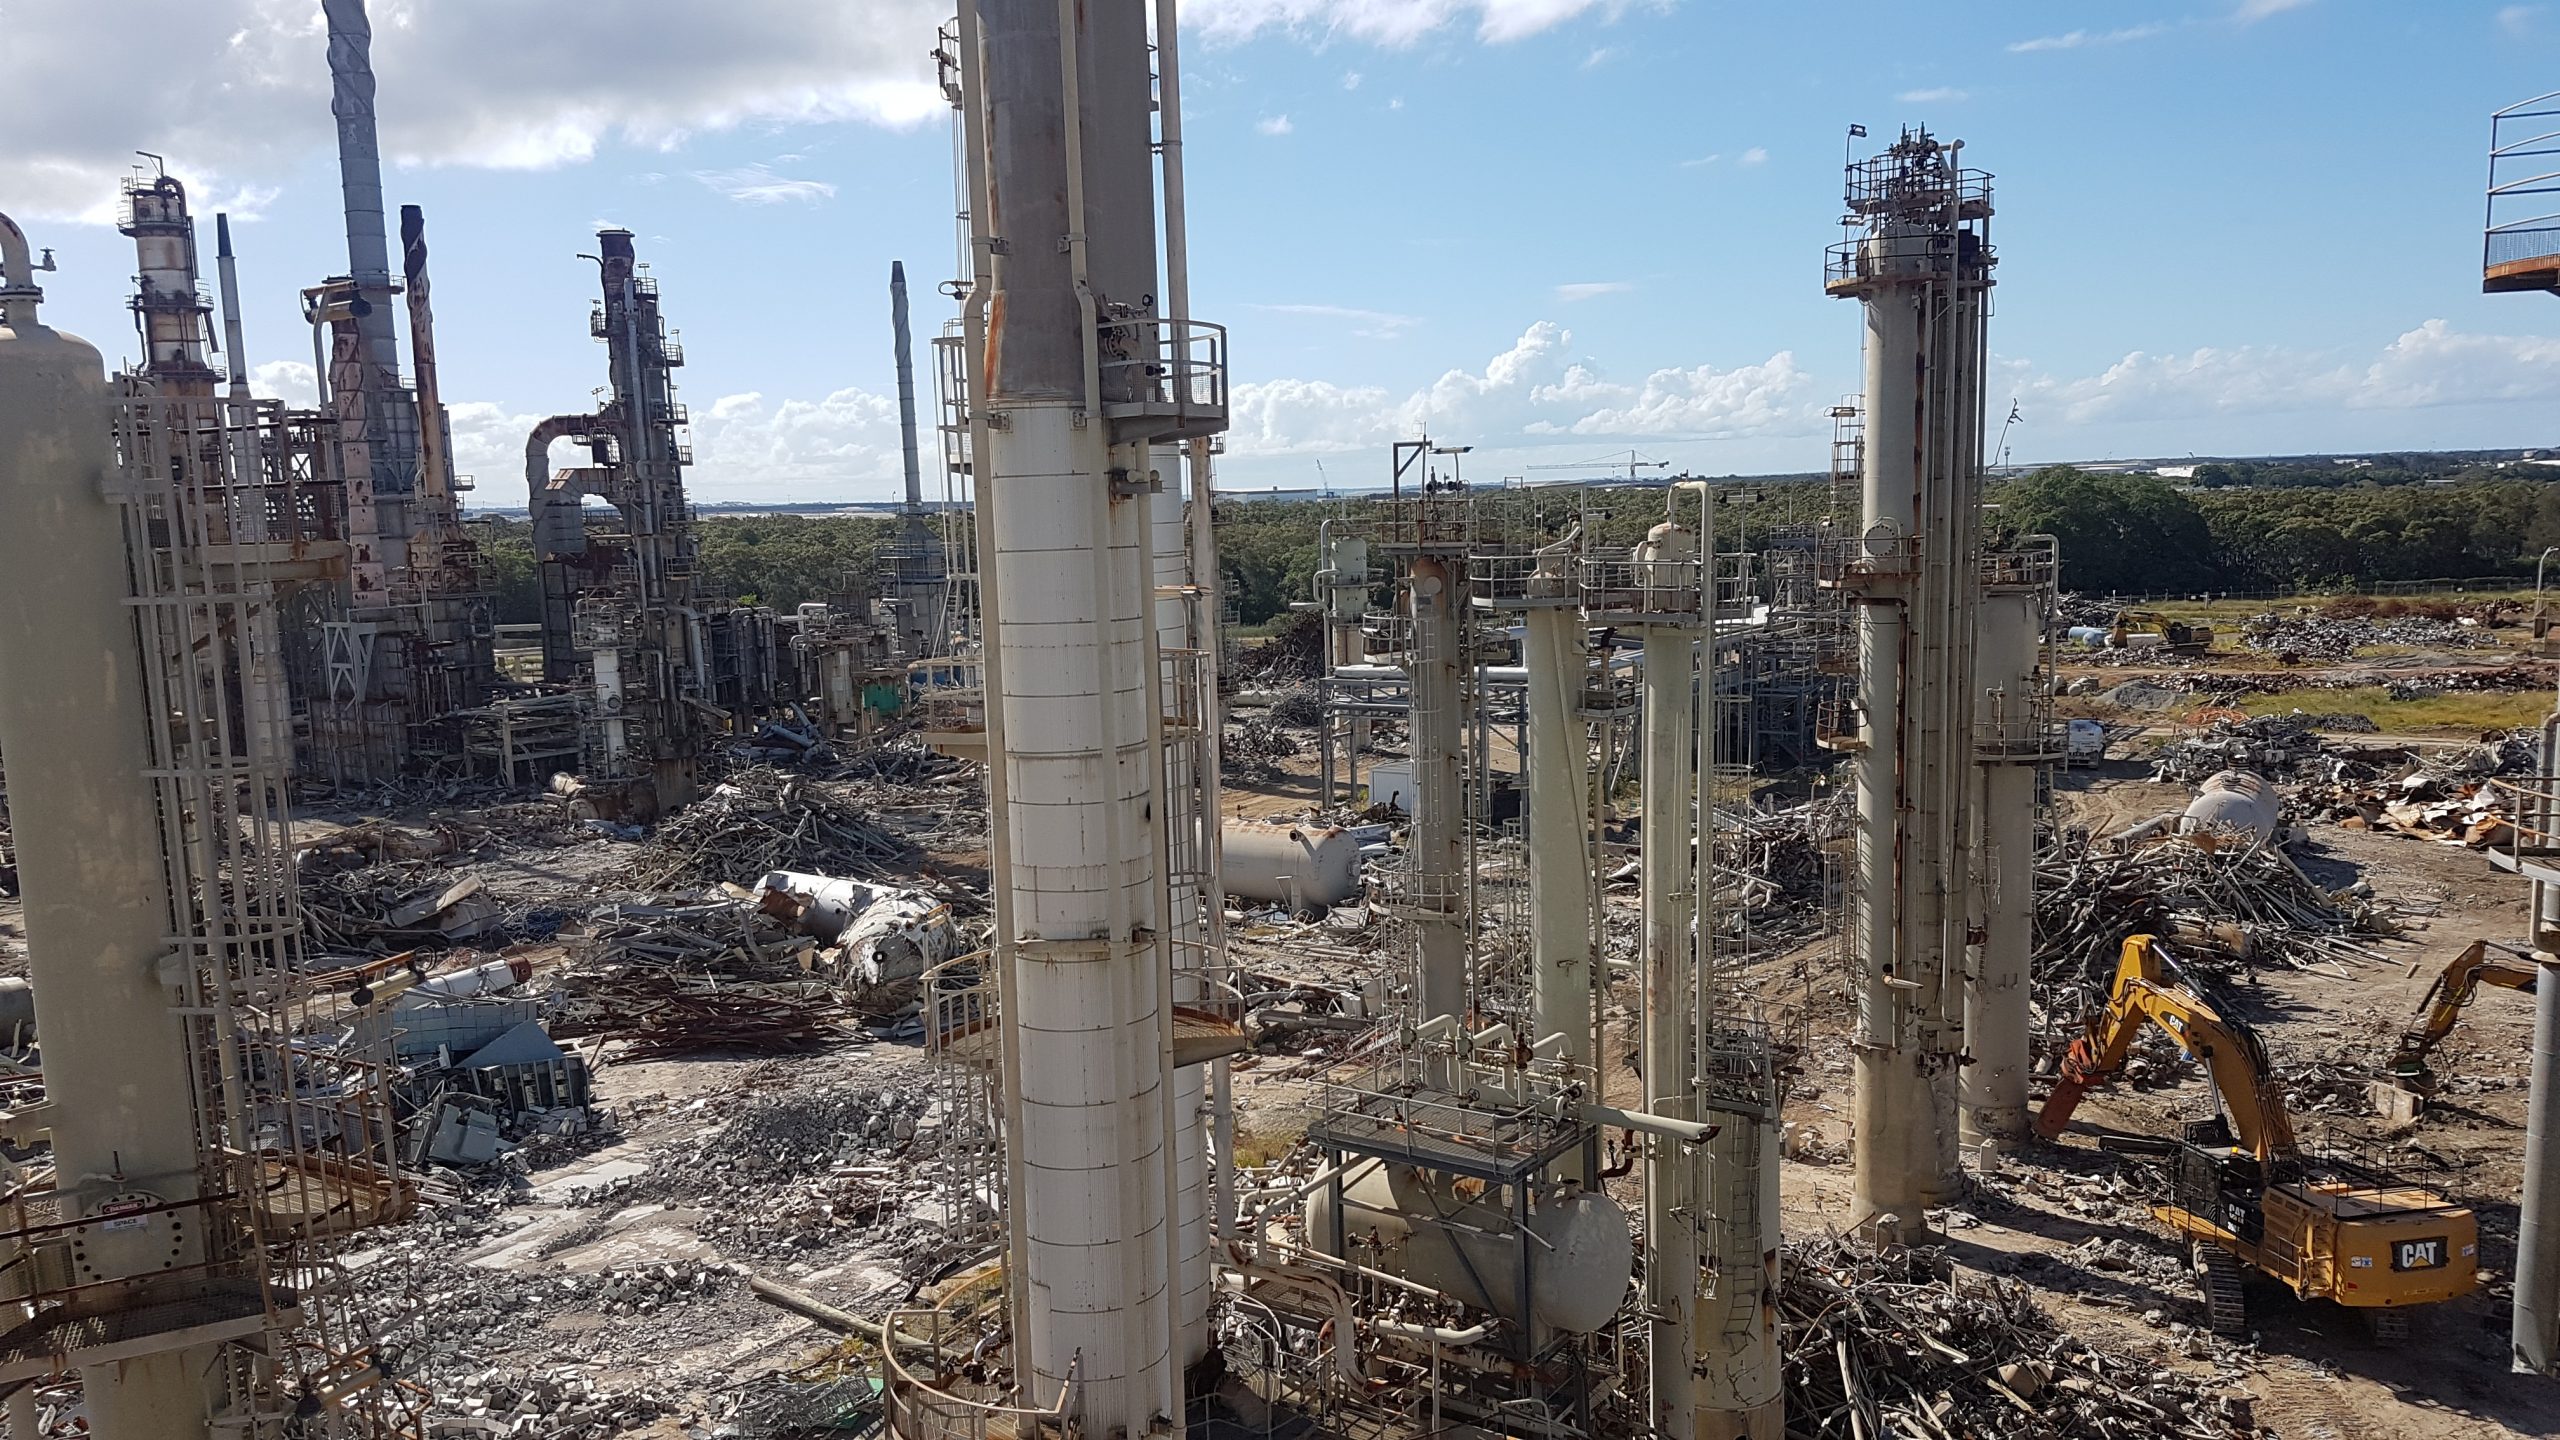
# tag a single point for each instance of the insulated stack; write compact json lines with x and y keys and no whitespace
{"x":1074,"y":375}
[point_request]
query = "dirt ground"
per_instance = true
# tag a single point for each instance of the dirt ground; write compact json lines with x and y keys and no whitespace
{"x":2313,"y":1369}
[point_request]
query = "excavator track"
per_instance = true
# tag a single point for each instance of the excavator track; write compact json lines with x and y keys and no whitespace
{"x":2226,"y":1303}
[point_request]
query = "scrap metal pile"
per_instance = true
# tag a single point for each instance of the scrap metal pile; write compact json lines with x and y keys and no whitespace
{"x":1897,"y":1342}
{"x":760,"y":820}
{"x":2229,"y":908}
{"x":2305,"y":634}
{"x":2445,"y":795}
{"x":1781,"y":867}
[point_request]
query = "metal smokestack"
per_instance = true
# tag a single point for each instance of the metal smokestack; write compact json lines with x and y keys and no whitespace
{"x":906,"y":384}
{"x":237,"y":361}
{"x":393,"y":442}
{"x":433,"y":466}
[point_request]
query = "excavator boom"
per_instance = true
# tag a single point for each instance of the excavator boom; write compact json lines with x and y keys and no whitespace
{"x":2148,"y":990}
{"x":2446,"y":998}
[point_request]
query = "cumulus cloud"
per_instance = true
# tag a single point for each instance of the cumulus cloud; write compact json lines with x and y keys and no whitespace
{"x":1529,"y":394}
{"x":2432,"y":365}
{"x":241,"y":87}
{"x":1396,"y":22}
{"x":845,"y":445}
{"x":292,"y":381}
{"x":759,"y":185}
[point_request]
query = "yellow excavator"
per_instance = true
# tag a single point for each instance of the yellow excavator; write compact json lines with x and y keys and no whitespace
{"x":2176,"y":636}
{"x":2243,"y":1193}
{"x":2452,"y":990}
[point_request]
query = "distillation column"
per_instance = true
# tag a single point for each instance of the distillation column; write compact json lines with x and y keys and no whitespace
{"x":1560,"y":863}
{"x":73,"y":722}
{"x":1436,"y":720}
{"x":1992,"y":1096}
{"x":1920,"y":263}
{"x":1667,"y":1058}
{"x":1740,"y":1389}
{"x":176,"y":327}
{"x":2534,"y":1323}
{"x":1060,"y":129}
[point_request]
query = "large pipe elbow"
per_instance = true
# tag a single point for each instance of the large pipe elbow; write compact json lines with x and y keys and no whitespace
{"x":537,"y":449}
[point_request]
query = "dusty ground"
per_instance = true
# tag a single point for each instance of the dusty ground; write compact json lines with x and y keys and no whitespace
{"x":2316,"y":1372}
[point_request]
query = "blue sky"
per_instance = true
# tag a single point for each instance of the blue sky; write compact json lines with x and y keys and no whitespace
{"x":1556,"y":229}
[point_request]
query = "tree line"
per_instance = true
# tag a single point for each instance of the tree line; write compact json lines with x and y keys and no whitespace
{"x":2135,"y":534}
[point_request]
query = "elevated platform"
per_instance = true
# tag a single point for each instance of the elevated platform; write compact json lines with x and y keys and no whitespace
{"x":68,"y":1339}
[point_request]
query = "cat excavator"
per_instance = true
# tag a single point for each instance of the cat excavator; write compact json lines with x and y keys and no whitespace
{"x":2242,"y":1192}
{"x":2452,"y":990}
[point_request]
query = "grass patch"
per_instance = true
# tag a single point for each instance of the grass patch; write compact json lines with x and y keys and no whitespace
{"x":2460,"y":713}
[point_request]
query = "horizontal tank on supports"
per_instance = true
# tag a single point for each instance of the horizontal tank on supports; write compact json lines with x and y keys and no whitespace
{"x":1414,"y":1224}
{"x":1297,"y":865}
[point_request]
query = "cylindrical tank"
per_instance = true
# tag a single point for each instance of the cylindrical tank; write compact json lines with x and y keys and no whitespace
{"x":1393,"y":1218}
{"x":2232,"y":801}
{"x":1304,"y":865}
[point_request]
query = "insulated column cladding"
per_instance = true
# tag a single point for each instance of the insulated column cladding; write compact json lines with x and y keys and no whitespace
{"x":1072,"y":383}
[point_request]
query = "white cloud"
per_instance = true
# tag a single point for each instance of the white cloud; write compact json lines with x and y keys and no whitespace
{"x":2080,"y":39}
{"x":1756,"y":155}
{"x":2432,"y":365}
{"x":291,"y":381}
{"x":1397,"y":22}
{"x":1367,"y":324}
{"x":244,"y":93}
{"x":1592,"y":289}
{"x":1701,"y":162}
{"x":843,"y":445}
{"x":2250,"y":12}
{"x":1527,"y":395}
{"x":1274,"y":125}
{"x":2518,"y":20}
{"x":1350,"y":79}
{"x":1396,"y":104}
{"x":1935,"y":95}
{"x":758,"y":185}
{"x":1599,"y":57}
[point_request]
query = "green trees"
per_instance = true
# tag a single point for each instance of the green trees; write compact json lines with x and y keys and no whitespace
{"x":2134,"y":533}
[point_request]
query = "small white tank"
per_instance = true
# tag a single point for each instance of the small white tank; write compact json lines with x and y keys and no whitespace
{"x":1282,"y":864}
{"x":1577,"y":1276}
{"x":2232,"y":802}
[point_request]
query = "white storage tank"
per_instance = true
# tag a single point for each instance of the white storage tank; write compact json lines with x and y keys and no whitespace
{"x":2233,"y":802}
{"x":1413,"y":1224}
{"x":1300,"y":866}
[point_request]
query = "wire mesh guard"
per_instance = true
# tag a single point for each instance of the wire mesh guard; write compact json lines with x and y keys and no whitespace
{"x":293,"y":1120}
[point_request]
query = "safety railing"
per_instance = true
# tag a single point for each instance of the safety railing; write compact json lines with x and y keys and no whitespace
{"x":1426,"y":522}
{"x":1844,"y":562}
{"x":1164,"y":377}
{"x":2033,"y":567}
{"x":940,"y":1402}
{"x":1621,"y":583}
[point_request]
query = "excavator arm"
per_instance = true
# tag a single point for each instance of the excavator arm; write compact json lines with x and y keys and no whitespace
{"x":2453,"y":990}
{"x":2148,"y":990}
